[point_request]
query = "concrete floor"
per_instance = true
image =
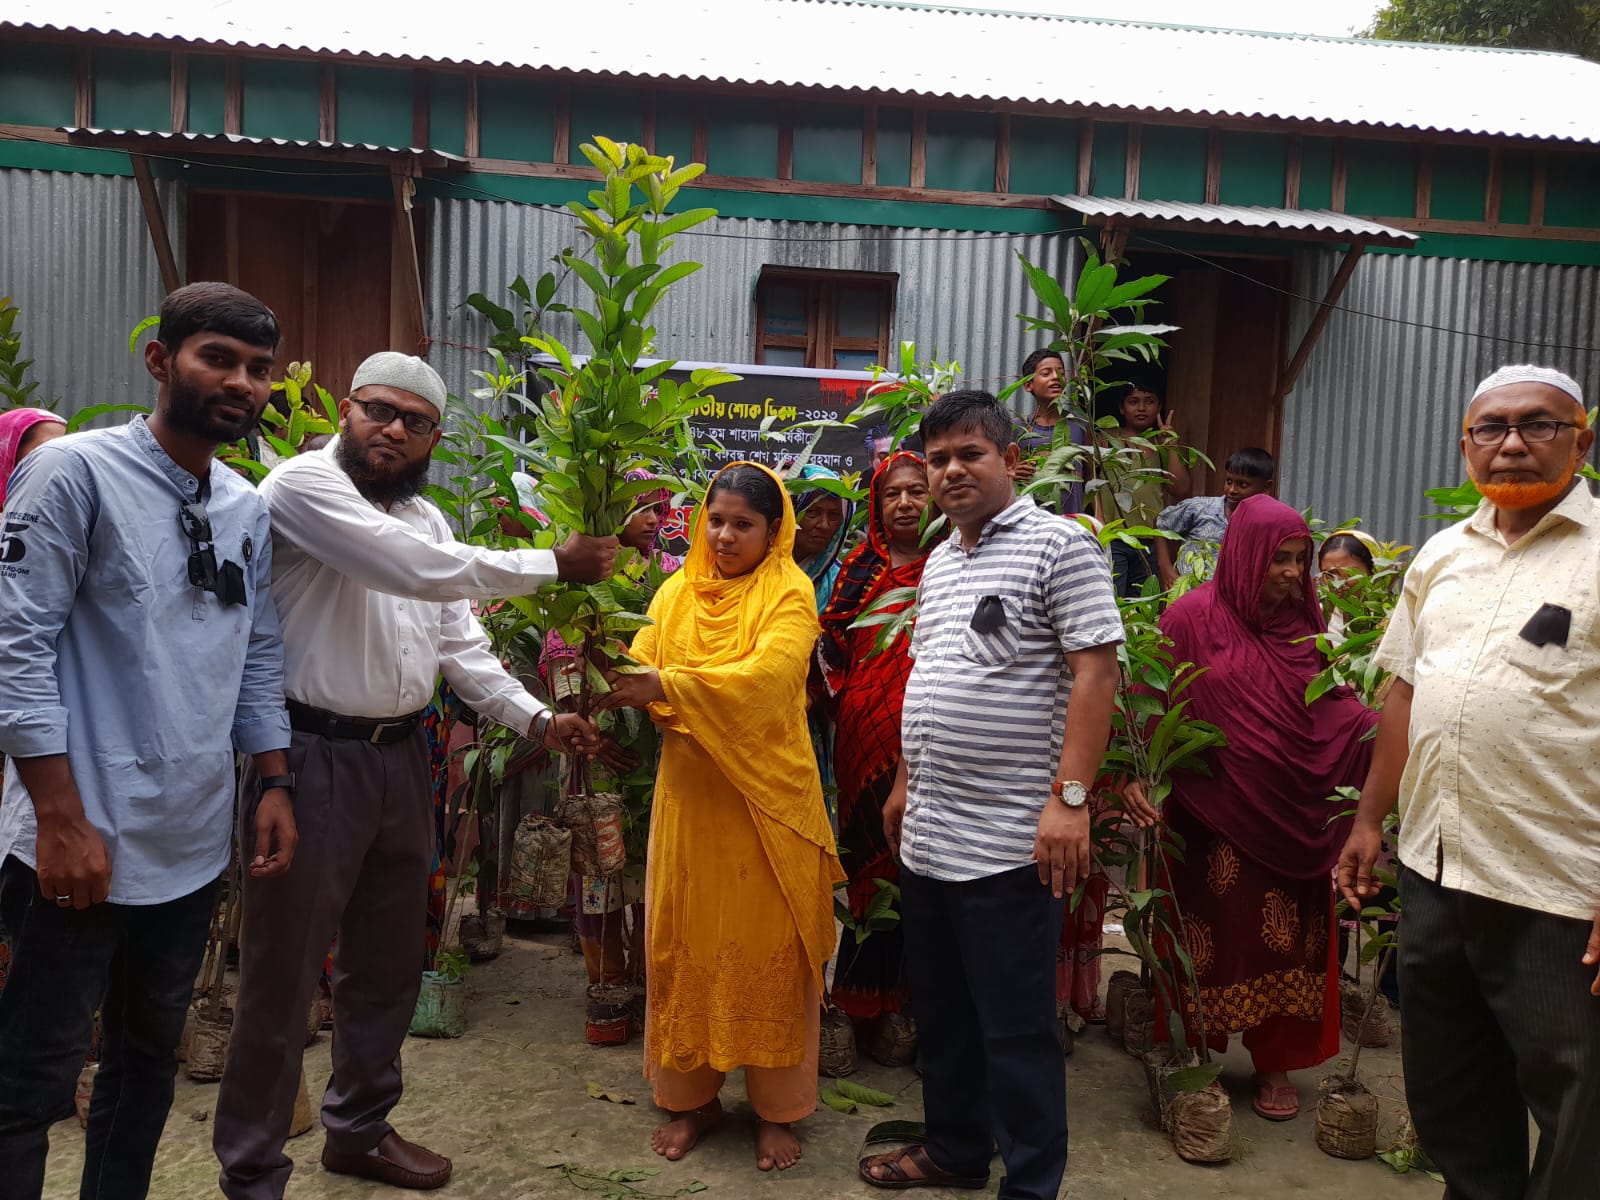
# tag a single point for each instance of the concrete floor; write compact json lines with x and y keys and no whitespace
{"x":508,"y":1101}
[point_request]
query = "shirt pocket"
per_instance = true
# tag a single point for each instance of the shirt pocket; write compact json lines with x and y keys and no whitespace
{"x":1551,"y":665}
{"x":1000,"y":647}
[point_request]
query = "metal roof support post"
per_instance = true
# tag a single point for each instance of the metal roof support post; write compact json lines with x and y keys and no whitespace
{"x":1341,"y":278}
{"x":407,"y":316}
{"x":171,"y":279}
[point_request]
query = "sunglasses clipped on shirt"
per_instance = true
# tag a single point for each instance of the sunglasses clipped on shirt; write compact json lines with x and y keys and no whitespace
{"x":381,"y":414}
{"x":225,"y":582}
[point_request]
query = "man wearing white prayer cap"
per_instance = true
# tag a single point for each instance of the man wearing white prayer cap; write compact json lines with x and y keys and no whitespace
{"x":375,"y":601}
{"x":1490,"y":741}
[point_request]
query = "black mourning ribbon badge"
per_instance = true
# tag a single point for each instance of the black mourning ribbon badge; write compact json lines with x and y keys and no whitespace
{"x":990,"y":616}
{"x":1551,"y":623}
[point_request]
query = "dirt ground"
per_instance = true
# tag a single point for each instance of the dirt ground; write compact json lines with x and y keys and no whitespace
{"x":508,"y":1104}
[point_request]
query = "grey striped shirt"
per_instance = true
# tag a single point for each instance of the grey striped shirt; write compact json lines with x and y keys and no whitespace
{"x":985,"y":713}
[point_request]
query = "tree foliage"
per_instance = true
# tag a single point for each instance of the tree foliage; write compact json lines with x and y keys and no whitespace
{"x":1572,"y":26}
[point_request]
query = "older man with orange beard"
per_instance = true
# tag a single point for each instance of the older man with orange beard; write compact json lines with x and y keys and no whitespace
{"x":1490,"y":741}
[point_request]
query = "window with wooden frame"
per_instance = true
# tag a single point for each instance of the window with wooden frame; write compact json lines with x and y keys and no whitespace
{"x":832,"y":320}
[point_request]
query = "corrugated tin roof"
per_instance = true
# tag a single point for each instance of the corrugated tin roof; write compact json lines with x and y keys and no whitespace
{"x":222,"y":142}
{"x":914,"y":50}
{"x":1325,"y":226}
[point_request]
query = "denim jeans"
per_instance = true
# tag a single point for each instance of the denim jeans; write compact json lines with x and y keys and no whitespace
{"x":1130,"y":567}
{"x":137,"y":966}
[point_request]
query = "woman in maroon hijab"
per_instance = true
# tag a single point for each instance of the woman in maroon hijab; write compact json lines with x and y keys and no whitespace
{"x":1255,"y":887}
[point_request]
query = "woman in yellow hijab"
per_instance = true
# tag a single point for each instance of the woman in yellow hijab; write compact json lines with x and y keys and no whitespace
{"x":739,"y":894}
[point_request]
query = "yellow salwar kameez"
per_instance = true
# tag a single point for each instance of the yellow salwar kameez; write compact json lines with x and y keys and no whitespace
{"x":739,"y":895}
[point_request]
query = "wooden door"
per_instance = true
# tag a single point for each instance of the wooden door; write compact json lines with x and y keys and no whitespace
{"x":323,"y":266}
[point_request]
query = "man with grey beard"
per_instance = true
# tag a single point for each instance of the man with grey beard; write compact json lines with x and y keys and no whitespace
{"x":375,"y":601}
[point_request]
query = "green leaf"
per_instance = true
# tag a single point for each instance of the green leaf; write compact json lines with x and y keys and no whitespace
{"x":133,"y":337}
{"x":1193,"y":1079}
{"x":837,"y":1100}
{"x":863,"y":1095}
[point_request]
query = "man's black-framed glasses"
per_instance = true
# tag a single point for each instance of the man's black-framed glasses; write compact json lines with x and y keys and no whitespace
{"x":226,"y":582}
{"x":1492,"y":433}
{"x":417,"y":425}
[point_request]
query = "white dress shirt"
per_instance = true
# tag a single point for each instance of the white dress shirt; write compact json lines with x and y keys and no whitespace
{"x":375,"y":604}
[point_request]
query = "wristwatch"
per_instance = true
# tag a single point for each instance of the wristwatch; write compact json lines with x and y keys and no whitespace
{"x":541,"y":726}
{"x":286,"y":782}
{"x":1070,"y":792}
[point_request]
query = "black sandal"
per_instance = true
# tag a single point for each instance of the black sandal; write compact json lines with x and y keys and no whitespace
{"x":933,"y":1175}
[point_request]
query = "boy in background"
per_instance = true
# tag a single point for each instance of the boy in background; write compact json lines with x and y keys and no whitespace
{"x":1202,"y":520}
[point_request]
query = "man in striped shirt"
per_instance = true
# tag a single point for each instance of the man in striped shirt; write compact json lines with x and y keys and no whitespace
{"x":1016,"y":613}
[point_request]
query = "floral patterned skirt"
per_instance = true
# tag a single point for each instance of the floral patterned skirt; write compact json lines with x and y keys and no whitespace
{"x":1261,"y":945}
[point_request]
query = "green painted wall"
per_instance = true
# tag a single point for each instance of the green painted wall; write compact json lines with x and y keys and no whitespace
{"x":208,"y":88}
{"x":282,"y":99}
{"x":447,"y":112}
{"x":1572,"y":190}
{"x":961,"y":151}
{"x":1516,"y":188}
{"x":617,"y":114}
{"x":1172,"y":164}
{"x":132,"y":89}
{"x":516,"y":119}
{"x":1460,"y":183}
{"x":827,"y":143}
{"x":1044,"y":156}
{"x":742,"y":138}
{"x":1381,"y":179}
{"x":894,"y":147}
{"x":38,"y":84}
{"x":1253,"y":167}
{"x":374,"y":105}
{"x":1108,"y":171}
{"x":1316,"y":173}
{"x":675,"y":126}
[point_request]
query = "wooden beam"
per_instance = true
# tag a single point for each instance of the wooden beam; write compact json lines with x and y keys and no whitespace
{"x":180,"y":92}
{"x":1341,"y":279}
{"x":233,"y":95}
{"x":407,"y":315}
{"x":1482,"y":229}
{"x":1130,"y":175}
{"x":1341,"y":175}
{"x":1085,"y":156}
{"x":919,"y":147}
{"x":1213,"y":166}
{"x":562,"y":141}
{"x":230,"y":238}
{"x":699,"y":140}
{"x":156,"y":222}
{"x":869,"y":145}
{"x":1291,"y":173}
{"x":785,"y":140}
{"x":1002,"y":154}
{"x":328,"y":105}
{"x":1423,"y":204}
{"x":1536,"y":196}
{"x":421,"y":108}
{"x":83,"y":90}
{"x":647,"y":135}
{"x":474,"y":144}
{"x":1491,"y":200}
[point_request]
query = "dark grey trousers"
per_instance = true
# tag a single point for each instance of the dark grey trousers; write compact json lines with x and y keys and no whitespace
{"x":365,"y":818}
{"x":1498,"y":1023}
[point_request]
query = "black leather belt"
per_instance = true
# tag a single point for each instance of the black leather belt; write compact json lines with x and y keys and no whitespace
{"x":307,"y":719}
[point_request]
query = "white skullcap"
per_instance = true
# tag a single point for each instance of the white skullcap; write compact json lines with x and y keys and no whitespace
{"x":1527,"y":373}
{"x":390,"y":368}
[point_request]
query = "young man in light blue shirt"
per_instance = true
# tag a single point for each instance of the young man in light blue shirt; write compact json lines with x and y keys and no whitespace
{"x":139,"y":649}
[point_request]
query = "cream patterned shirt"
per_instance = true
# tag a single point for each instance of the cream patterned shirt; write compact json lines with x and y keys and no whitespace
{"x":1501,"y":793}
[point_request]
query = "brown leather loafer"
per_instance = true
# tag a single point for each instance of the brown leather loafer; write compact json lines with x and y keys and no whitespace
{"x":398,"y":1163}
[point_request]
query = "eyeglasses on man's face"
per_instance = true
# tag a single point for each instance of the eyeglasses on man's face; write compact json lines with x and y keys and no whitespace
{"x":417,"y":425}
{"x":1492,"y":433}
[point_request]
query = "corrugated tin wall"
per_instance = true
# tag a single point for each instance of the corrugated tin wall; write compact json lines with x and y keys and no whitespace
{"x":958,"y":292}
{"x":75,"y":256}
{"x":1375,"y":417}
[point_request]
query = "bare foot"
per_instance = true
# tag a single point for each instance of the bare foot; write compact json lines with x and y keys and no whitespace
{"x":680,"y":1135}
{"x":776,"y":1146}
